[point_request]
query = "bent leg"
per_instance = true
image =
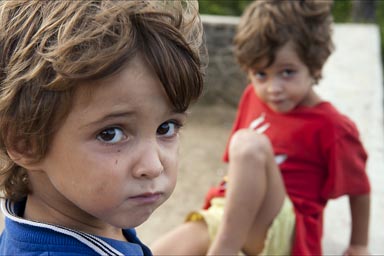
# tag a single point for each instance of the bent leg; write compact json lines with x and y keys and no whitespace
{"x":255,"y":193}
{"x":191,"y":238}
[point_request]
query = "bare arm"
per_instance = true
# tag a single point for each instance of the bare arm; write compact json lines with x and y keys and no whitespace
{"x":360,"y":211}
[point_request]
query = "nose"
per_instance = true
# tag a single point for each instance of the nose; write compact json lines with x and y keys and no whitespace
{"x":148,"y":163}
{"x":275,"y":86}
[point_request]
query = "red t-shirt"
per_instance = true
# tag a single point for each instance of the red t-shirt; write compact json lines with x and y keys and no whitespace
{"x":324,"y":159}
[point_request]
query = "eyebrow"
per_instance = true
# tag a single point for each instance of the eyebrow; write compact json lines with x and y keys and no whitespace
{"x":286,"y":63}
{"x":119,"y":114}
{"x":113,"y":115}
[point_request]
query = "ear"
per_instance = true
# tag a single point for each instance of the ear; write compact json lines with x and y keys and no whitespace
{"x":249,"y":75}
{"x":317,"y":73}
{"x":24,"y":160}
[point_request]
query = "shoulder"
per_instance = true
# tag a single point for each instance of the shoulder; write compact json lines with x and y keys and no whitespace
{"x":22,"y":236}
{"x":248,"y":92}
{"x":249,"y":99}
{"x":340,"y":122}
{"x":33,"y":241}
{"x":333,"y":120}
{"x":26,"y":239}
{"x":338,"y":132}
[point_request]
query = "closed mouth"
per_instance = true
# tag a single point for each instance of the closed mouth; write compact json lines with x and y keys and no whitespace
{"x":147,"y":198}
{"x":277,"y":101}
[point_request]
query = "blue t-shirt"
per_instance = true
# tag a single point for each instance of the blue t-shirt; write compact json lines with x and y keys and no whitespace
{"x":21,"y":236}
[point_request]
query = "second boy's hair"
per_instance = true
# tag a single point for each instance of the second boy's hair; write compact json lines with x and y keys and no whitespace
{"x":48,"y":47}
{"x":269,"y":24}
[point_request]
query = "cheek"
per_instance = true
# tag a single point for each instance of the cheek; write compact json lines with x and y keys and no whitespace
{"x":65,"y":170}
{"x":93,"y":174}
{"x":260,"y":91}
{"x":170,"y":160}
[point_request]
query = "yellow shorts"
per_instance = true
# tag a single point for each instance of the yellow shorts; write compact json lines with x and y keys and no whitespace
{"x":280,"y":233}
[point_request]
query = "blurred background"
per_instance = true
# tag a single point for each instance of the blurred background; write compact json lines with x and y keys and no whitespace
{"x":344,"y":11}
{"x":352,"y":81}
{"x":224,"y":79}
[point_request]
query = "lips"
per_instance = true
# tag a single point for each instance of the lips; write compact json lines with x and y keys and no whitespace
{"x":276,"y":101}
{"x":147,"y":198}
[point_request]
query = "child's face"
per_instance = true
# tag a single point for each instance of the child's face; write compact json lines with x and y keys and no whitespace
{"x":115,"y":158}
{"x":286,"y":84}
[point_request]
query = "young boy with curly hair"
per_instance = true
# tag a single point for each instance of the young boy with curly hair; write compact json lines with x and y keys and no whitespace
{"x":289,"y":152}
{"x":92,"y":97}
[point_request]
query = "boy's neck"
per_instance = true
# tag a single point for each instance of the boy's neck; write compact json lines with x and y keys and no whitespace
{"x":37,"y":209}
{"x":312,"y":99}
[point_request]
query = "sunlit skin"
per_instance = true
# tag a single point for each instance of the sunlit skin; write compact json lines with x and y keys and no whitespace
{"x":114,"y":160}
{"x":286,"y":84}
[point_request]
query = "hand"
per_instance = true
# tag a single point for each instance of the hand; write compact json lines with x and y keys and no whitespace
{"x":355,"y":250}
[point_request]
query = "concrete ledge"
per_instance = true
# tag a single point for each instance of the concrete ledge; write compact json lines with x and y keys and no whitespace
{"x":353,"y":81}
{"x":220,"y":20}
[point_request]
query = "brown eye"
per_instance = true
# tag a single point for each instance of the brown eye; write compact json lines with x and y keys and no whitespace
{"x":164,"y":128}
{"x":288,"y":73}
{"x":260,"y":75}
{"x":168,"y":129}
{"x":111,"y":135}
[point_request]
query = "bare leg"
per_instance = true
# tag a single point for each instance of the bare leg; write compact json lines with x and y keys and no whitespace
{"x":191,"y":238}
{"x":254,"y":196}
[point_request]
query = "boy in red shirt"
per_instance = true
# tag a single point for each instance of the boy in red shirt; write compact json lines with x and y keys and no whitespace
{"x":289,"y":152}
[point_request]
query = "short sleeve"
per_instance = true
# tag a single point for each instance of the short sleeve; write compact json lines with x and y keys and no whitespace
{"x":346,"y":166}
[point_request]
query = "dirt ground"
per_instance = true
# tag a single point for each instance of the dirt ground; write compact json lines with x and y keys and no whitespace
{"x":203,"y":140}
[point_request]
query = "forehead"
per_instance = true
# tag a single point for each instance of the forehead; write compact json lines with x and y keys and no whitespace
{"x":136,"y":84}
{"x":135,"y":93}
{"x":285,"y":55}
{"x":132,"y":76}
{"x":288,"y":52}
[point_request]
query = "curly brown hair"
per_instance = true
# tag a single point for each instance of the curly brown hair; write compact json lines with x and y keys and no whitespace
{"x":48,"y":47}
{"x":267,"y":25}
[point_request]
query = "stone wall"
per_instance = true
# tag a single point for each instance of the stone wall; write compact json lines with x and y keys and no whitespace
{"x":224,"y":80}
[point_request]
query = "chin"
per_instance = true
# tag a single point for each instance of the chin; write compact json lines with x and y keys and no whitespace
{"x":142,"y":216}
{"x":133,"y":223}
{"x":281,"y":110}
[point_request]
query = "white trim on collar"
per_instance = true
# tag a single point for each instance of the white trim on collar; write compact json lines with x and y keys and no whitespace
{"x":93,"y":242}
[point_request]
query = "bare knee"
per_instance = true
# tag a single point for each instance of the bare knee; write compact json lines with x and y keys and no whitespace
{"x":191,"y":238}
{"x":247,"y":145}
